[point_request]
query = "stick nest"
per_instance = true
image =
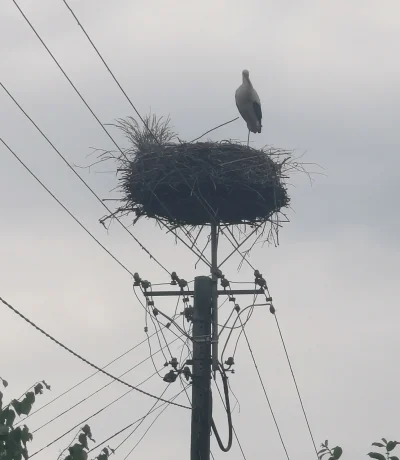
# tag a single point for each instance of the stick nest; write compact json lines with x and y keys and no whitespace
{"x":193,"y":184}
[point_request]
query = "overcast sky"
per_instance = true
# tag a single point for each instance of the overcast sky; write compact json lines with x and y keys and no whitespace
{"x":328,"y":77}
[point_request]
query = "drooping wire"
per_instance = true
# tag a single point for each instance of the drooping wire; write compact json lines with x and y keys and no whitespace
{"x":228,"y":413}
{"x":81,"y":357}
{"x":232,"y":328}
{"x":145,"y":306}
{"x":233,"y":428}
{"x":158,"y":322}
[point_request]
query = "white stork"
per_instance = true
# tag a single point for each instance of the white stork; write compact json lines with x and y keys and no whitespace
{"x":249,"y":105}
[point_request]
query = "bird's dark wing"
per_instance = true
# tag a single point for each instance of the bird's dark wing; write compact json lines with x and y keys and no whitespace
{"x":257,"y":110}
{"x":240,"y":111}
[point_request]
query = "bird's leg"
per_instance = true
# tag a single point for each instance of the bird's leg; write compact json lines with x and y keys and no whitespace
{"x":248,"y":138}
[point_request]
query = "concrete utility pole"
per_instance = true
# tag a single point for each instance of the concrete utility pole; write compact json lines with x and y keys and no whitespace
{"x":201,"y":373}
{"x":205,"y":338}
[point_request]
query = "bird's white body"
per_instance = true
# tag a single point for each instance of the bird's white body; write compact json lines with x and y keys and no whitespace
{"x":248,"y":104}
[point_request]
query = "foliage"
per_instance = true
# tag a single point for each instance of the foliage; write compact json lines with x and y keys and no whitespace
{"x":388,"y":446}
{"x":336,"y":452}
{"x":13,"y":440}
{"x":78,"y":451}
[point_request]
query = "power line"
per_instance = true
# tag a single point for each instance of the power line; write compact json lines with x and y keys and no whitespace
{"x":130,"y":102}
{"x":133,"y":423}
{"x":65,"y":208}
{"x":295,"y":383}
{"x":150,"y":410}
{"x":265,"y":391}
{"x":144,"y":418}
{"x":119,"y":85}
{"x":80,"y":178}
{"x":82,"y":358}
{"x":102,"y":388}
{"x":94,"y":115}
{"x":233,"y":428}
{"x":105,"y":407}
{"x":85,"y":380}
{"x":147,"y":430}
{"x":88,"y":418}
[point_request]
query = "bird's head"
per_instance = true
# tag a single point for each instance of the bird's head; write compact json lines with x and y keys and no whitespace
{"x":245,"y":74}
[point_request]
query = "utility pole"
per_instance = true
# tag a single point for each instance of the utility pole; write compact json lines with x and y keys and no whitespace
{"x":201,"y":371}
{"x":205,"y":337}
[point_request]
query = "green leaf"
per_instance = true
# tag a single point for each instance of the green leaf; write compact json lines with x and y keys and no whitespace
{"x":25,"y":435}
{"x":384,"y":440}
{"x":326,"y":443}
{"x":7,"y":417}
{"x":394,"y":458}
{"x":377,"y":444}
{"x":38,"y":389}
{"x":82,"y":438}
{"x":86,"y":429}
{"x":337,"y":452}
{"x":377,"y":456}
{"x":390,"y":445}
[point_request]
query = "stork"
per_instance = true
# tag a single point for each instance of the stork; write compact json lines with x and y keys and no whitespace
{"x":249,"y":105}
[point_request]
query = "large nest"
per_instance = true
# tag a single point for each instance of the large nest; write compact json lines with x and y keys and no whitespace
{"x":186,"y":183}
{"x":193,"y":184}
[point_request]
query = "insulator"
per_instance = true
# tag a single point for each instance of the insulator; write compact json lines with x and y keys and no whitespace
{"x":170,"y":377}
{"x":230,"y":361}
{"x":272,"y":309}
{"x":188,"y":312}
{"x":137,"y":279}
{"x":187,"y":373}
{"x":224,"y":283}
{"x":145,"y":284}
{"x":174,"y":363}
{"x":155,"y":311}
{"x":182,"y":283}
{"x":174,"y":278}
{"x":237,"y":308}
